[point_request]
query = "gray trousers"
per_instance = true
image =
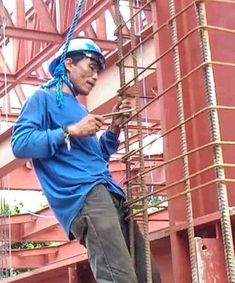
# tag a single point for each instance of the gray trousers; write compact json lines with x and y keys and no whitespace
{"x":101,"y":227}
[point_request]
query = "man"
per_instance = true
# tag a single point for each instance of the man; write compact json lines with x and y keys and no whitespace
{"x":55,"y":130}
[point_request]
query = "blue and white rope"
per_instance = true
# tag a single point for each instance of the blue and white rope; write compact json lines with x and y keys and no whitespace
{"x":60,"y":74}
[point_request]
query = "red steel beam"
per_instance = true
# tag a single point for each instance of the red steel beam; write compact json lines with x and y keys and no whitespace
{"x":23,"y":178}
{"x":47,"y":271}
{"x":8,"y":117}
{"x":22,"y":258}
{"x":92,"y":14}
{"x":19,"y":55}
{"x":35,"y":35}
{"x":41,"y":225}
{"x":73,"y":274}
{"x":3,"y":11}
{"x":105,"y":44}
{"x":44,"y":16}
{"x":84,"y":21}
{"x":7,"y":161}
{"x":31,"y":80}
{"x":31,"y":66}
{"x":39,"y":228}
{"x":210,"y":259}
{"x":52,"y":37}
{"x":39,"y":257}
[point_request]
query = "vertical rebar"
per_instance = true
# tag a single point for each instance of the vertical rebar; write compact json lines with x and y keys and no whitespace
{"x":216,"y":137}
{"x":183,"y":140}
{"x":143,"y":188}
{"x":121,"y":66}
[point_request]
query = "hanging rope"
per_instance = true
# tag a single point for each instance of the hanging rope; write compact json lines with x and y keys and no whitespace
{"x":60,"y":74}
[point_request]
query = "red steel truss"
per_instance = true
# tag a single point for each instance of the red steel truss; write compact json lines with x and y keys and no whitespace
{"x":182,"y":81}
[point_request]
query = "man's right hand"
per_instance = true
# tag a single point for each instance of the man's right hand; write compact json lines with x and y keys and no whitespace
{"x":88,"y":126}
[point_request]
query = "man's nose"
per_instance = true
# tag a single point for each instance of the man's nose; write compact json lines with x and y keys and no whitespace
{"x":95,"y":75}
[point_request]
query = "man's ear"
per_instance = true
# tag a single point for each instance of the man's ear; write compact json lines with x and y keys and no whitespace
{"x":68,"y":64}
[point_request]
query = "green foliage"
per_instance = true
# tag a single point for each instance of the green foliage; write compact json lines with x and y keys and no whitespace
{"x":31,"y":245}
{"x":6,"y":210}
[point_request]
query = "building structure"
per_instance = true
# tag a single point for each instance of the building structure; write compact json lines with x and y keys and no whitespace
{"x":175,"y":59}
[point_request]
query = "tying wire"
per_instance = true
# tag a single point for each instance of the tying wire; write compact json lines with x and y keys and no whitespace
{"x":38,"y":215}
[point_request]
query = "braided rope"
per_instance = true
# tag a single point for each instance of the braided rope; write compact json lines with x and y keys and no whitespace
{"x":60,"y":74}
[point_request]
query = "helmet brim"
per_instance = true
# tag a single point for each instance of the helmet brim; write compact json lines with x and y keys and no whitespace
{"x":94,"y":55}
{"x":77,"y":45}
{"x":52,"y":66}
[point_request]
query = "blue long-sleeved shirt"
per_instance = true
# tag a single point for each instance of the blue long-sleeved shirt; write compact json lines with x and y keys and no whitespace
{"x":66,"y":177}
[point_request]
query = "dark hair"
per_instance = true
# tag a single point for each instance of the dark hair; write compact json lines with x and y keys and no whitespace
{"x":75,"y":56}
{"x":78,"y":56}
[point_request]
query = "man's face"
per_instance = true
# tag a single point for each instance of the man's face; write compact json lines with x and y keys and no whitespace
{"x":83,"y":75}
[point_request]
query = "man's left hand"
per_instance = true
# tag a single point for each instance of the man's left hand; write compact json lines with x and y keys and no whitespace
{"x":117,"y":120}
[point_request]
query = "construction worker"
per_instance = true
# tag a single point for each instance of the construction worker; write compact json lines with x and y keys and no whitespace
{"x":56,"y":131}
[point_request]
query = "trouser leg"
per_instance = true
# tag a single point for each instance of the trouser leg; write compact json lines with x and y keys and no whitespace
{"x":140,"y":255}
{"x":98,"y":227}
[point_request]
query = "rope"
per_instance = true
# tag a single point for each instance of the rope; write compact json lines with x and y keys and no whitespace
{"x":60,"y":75}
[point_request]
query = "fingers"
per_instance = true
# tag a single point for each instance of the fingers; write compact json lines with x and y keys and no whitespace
{"x":117,"y":105}
{"x":125,"y":104}
{"x":122,"y":104}
{"x":95,"y":123}
{"x":98,"y":119}
{"x":88,"y":126}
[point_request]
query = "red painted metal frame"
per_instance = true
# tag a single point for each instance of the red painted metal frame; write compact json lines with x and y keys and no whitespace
{"x":168,"y":229}
{"x":204,"y":201}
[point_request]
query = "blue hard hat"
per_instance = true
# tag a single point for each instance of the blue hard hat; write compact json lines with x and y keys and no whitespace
{"x":80,"y":45}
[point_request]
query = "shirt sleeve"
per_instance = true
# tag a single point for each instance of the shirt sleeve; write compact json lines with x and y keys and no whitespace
{"x":30,"y":137}
{"x":109,"y":144}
